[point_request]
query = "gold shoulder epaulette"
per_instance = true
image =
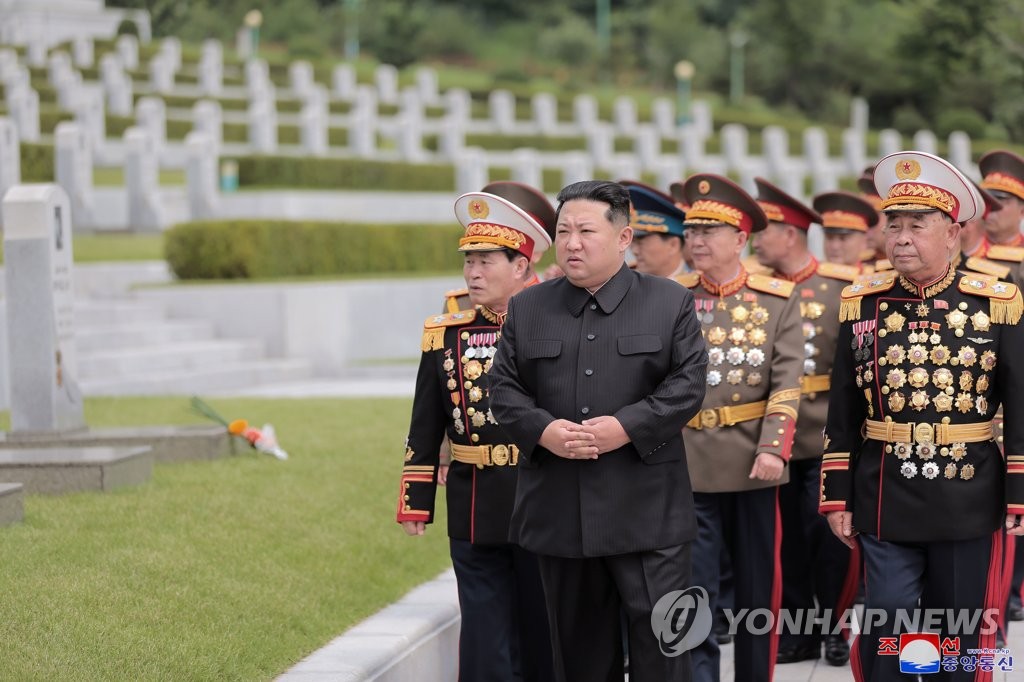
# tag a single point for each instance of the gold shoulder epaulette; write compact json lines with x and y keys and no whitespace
{"x":1004,"y":299}
{"x":753,"y":266}
{"x":688,"y":279}
{"x":434,"y":326}
{"x":987,"y":267}
{"x":1013,"y":254}
{"x":849,"y":306}
{"x":451,"y":300}
{"x":770,"y":285}
{"x":866,"y":255}
{"x":883,"y":264}
{"x":838,"y":271}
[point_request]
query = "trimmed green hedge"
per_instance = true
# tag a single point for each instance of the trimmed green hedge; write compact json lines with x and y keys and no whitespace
{"x":313,"y":173}
{"x":37,"y":162}
{"x":240,"y":249}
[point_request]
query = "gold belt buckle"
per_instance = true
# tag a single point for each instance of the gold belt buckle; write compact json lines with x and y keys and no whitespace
{"x":709,"y":418}
{"x":924,"y":433}
{"x":499,"y":455}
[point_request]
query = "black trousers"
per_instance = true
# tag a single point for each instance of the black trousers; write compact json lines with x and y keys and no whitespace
{"x":940,"y":575}
{"x":504,"y":635}
{"x":815,"y":564}
{"x":586,"y":599}
{"x":747,"y":524}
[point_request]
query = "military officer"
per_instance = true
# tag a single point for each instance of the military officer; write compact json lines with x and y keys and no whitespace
{"x":846,"y":232}
{"x":530,"y":200}
{"x":738,"y":445}
{"x":1003,"y":176}
{"x":974,"y":243}
{"x":814,"y":562}
{"x":658,"y":242}
{"x":504,"y":633}
{"x":925,"y":356}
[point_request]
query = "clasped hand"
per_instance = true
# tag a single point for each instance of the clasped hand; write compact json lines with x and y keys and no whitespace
{"x":586,"y":440}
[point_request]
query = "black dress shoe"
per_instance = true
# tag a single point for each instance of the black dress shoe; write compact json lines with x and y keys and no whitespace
{"x":837,"y":650}
{"x":794,"y":653}
{"x":720,"y":630}
{"x":1015,"y":612}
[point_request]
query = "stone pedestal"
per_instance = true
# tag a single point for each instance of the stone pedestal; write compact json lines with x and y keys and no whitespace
{"x":57,"y":471}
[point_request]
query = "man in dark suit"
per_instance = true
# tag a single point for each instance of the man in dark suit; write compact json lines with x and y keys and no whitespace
{"x":594,"y":379}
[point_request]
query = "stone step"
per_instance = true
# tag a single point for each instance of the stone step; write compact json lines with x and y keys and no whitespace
{"x":113,"y":336}
{"x":199,"y":379}
{"x":96,"y":312}
{"x":178,"y":357}
{"x":54,"y":471}
{"x":12,"y":508}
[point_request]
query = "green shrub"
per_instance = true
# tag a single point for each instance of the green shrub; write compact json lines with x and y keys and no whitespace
{"x":312,"y":173}
{"x":267,"y":249}
{"x":967,"y":120}
{"x":37,"y":164}
{"x":541,"y":142}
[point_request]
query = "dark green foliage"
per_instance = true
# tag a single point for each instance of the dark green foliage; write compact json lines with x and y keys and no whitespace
{"x":37,"y":162}
{"x":312,"y":173}
{"x":264,"y":249}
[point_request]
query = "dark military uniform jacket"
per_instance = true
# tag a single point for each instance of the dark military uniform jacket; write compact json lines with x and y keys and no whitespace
{"x":918,"y":376}
{"x":817,"y":289}
{"x":453,"y":398}
{"x":755,"y":361}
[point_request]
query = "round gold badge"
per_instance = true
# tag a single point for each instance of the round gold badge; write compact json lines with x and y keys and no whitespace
{"x":704,"y":187}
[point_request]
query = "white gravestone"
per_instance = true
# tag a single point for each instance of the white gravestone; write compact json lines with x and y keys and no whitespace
{"x":411,"y":104}
{"x":24,"y":107}
{"x":691,"y":147}
{"x":257,"y":76}
{"x":700,"y":112}
{"x":120,"y":97}
{"x":647,"y":146}
{"x":960,"y":151}
{"x":300,"y":76}
{"x":576,"y":167}
{"x":663,"y":114}
{"x":503,"y":110}
{"x":58,"y":65}
{"x":816,"y":152}
{"x":161,"y":73}
{"x":151,"y":115}
{"x":667,"y":171}
{"x":410,"y":138}
{"x":859,"y":115}
{"x":171,"y":47}
{"x":263,"y":127}
{"x":854,"y":151}
{"x":10,"y":157}
{"x":211,"y":68}
{"x":458,"y":104}
{"x":889,"y":142}
{"x":73,"y":170}
{"x":526,"y":167}
{"x":362,"y":133}
{"x":201,"y":176}
{"x":545,"y":113}
{"x":208,"y":120}
{"x":426,"y":85}
{"x":624,"y":114}
{"x":128,"y":49}
{"x":452,"y":138}
{"x":36,"y":52}
{"x":470,"y":171}
{"x":41,"y":357}
{"x":734,"y":145}
{"x":775,"y":147}
{"x":343,"y":82}
{"x":69,"y":87}
{"x":386,"y":79}
{"x":142,"y":181}
{"x":924,"y":141}
{"x":82,"y":50}
{"x":584,"y":112}
{"x":91,"y":115}
{"x":601,"y":144}
{"x":313,"y":128}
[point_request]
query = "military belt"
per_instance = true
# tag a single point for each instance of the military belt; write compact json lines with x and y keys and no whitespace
{"x":486,"y":455}
{"x":815,"y":383}
{"x":923,"y":432}
{"x":727,"y":415}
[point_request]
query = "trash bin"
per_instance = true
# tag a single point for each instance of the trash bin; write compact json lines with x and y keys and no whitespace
{"x":229,"y":176}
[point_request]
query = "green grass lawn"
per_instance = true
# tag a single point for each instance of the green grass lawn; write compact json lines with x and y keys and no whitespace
{"x":226,"y":570}
{"x":93,"y":248}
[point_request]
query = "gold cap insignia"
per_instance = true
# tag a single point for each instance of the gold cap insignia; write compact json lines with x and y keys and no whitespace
{"x":908,"y":169}
{"x":704,"y":187}
{"x":478,"y":209}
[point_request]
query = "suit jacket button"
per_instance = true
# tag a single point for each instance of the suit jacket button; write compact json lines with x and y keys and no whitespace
{"x":585,"y":410}
{"x":590,"y":337}
{"x":589,"y":372}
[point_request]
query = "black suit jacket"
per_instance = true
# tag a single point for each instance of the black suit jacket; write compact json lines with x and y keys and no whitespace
{"x":634,"y":351}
